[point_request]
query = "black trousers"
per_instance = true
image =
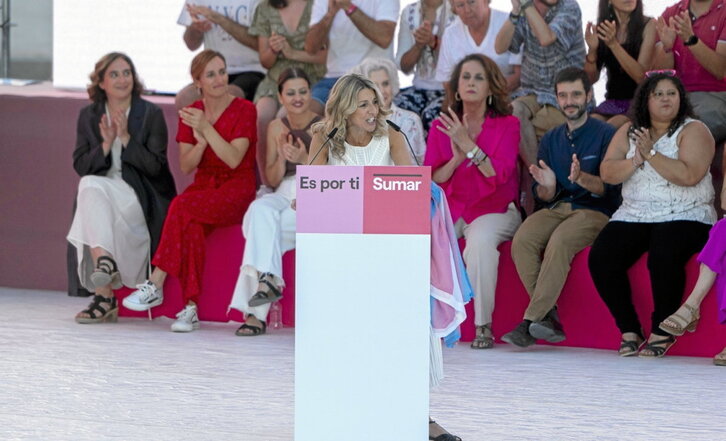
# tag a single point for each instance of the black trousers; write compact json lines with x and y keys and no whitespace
{"x":669,"y":245}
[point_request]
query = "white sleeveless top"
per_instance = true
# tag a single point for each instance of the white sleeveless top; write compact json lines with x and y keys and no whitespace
{"x":649,"y":197}
{"x":377,"y":152}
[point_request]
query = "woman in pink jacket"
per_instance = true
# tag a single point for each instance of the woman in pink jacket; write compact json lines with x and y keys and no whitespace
{"x":472,"y":150}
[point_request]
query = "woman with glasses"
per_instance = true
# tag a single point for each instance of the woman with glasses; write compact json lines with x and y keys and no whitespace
{"x":662,"y":160}
{"x":623,"y":42}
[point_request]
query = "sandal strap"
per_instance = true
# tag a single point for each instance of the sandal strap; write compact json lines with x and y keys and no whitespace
{"x":659,"y":350}
{"x":95,"y":305}
{"x":106,"y":264}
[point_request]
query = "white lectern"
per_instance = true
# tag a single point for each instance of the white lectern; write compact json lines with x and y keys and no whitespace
{"x":362,"y":312}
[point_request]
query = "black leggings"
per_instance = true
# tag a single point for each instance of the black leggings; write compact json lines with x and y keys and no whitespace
{"x":669,"y":245}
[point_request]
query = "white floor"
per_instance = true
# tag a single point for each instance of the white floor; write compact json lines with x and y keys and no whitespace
{"x":135,"y":380}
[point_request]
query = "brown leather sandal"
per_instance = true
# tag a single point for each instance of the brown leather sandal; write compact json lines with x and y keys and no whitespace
{"x":484,"y":338}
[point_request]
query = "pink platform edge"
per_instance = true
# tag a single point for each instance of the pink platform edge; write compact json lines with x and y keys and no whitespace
{"x":585,"y":317}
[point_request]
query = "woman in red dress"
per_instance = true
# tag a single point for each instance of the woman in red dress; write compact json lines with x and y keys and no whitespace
{"x":217,"y":137}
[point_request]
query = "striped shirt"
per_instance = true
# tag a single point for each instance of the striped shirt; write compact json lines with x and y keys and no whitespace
{"x":540,"y":64}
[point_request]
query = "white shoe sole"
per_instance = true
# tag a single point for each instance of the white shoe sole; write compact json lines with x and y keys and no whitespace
{"x":142,"y":307}
{"x":194,"y":327}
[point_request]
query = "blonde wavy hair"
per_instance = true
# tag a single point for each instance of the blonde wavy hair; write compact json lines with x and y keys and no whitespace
{"x":342,"y":103}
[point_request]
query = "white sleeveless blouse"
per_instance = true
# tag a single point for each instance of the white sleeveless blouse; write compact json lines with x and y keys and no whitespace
{"x":649,"y":197}
{"x":377,"y":152}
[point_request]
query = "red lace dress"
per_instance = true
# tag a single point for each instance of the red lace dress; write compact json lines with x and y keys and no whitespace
{"x":219,"y":196}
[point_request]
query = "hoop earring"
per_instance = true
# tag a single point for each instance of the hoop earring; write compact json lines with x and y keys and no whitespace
{"x":457,"y":97}
{"x":490,"y":100}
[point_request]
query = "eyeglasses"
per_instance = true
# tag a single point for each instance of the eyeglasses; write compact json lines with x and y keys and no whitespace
{"x":667,"y":72}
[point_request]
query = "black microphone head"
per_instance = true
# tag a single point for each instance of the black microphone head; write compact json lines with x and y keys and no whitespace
{"x":332,"y":132}
{"x":393,"y":125}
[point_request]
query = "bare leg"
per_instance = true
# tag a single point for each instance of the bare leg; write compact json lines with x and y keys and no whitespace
{"x":706,"y":279}
{"x":105,"y":290}
{"x":598,"y":117}
{"x":157,"y":277}
{"x":687,"y":314}
{"x":266,"y":109}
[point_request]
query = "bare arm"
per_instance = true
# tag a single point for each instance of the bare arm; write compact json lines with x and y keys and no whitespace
{"x":315,"y":144}
{"x":193,"y":38}
{"x":318,"y":33}
{"x":236,"y":30}
{"x":399,"y":149}
{"x":504,"y":36}
{"x":714,"y":61}
{"x":615,"y":169}
{"x":696,"y":148}
{"x":275,"y":168}
{"x":513,"y":79}
{"x":379,"y":32}
{"x":634,"y":68}
{"x":190,"y":155}
{"x":541,"y":30}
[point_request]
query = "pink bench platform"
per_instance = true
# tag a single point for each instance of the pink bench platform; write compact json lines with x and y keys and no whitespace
{"x":584,"y":316}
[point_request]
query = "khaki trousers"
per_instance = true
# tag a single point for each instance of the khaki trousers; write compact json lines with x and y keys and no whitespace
{"x":544,"y":247}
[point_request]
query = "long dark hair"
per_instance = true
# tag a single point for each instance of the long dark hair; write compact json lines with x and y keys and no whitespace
{"x":636,"y":24}
{"x":278,"y":4}
{"x":639,"y":113}
{"x":500,"y":105}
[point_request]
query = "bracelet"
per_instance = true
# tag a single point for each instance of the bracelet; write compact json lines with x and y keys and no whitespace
{"x":514,"y":18}
{"x":351,"y":9}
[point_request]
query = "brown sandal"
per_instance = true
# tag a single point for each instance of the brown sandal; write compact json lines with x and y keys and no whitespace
{"x":684,"y":319}
{"x":720,"y":358}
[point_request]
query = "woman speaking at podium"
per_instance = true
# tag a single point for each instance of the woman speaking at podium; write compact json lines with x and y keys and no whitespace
{"x":356,"y":133}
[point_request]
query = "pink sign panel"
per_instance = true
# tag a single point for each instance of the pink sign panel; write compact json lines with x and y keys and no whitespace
{"x":329,"y":199}
{"x":397,"y":200}
{"x":363,"y":200}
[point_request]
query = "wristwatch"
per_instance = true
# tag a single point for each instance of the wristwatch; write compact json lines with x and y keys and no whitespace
{"x":693,"y":39}
{"x":651,"y":153}
{"x":471,"y":153}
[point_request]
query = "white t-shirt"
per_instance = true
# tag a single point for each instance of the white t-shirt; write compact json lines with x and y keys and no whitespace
{"x":239,"y":57}
{"x":348,"y":46}
{"x":457,"y":43}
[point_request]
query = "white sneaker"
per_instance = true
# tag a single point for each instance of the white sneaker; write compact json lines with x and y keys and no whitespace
{"x":144,"y":298}
{"x":187,"y":320}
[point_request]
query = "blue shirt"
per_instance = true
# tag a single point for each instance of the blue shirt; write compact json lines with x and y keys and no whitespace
{"x":540,"y":63}
{"x":589,"y":142}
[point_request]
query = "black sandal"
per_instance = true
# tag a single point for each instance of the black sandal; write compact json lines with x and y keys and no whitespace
{"x":484,"y":338}
{"x":254,"y":330}
{"x":104,"y":315}
{"x":106,"y":273}
{"x":657,"y":351}
{"x":263,"y":297}
{"x":628,"y":348}
{"x":443,"y":436}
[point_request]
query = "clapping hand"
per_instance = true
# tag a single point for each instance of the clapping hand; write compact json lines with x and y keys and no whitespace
{"x":607,"y":32}
{"x":543,"y":174}
{"x":108,"y":132}
{"x":423,"y":34}
{"x":643,"y":142}
{"x":454,"y":128}
{"x":195,"y":119}
{"x":207,"y":13}
{"x":121,"y":122}
{"x":278,"y":43}
{"x":574,"y":169}
{"x":292,"y":149}
{"x":682,"y":25}
{"x":199,"y":22}
{"x":591,"y":37}
{"x":666,"y":33}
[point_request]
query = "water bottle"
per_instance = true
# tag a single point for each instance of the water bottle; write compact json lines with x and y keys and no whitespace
{"x":275,"y":316}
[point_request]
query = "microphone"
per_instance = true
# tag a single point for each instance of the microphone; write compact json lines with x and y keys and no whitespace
{"x":327,"y":140}
{"x":397,"y":128}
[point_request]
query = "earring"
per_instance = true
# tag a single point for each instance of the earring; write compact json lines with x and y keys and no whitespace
{"x":490,"y":100}
{"x":457,"y":97}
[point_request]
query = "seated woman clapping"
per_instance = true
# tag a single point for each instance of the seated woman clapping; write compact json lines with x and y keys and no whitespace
{"x":662,"y":160}
{"x":269,"y":224}
{"x":125,"y":186}
{"x":472,"y":151}
{"x":217,"y":138}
